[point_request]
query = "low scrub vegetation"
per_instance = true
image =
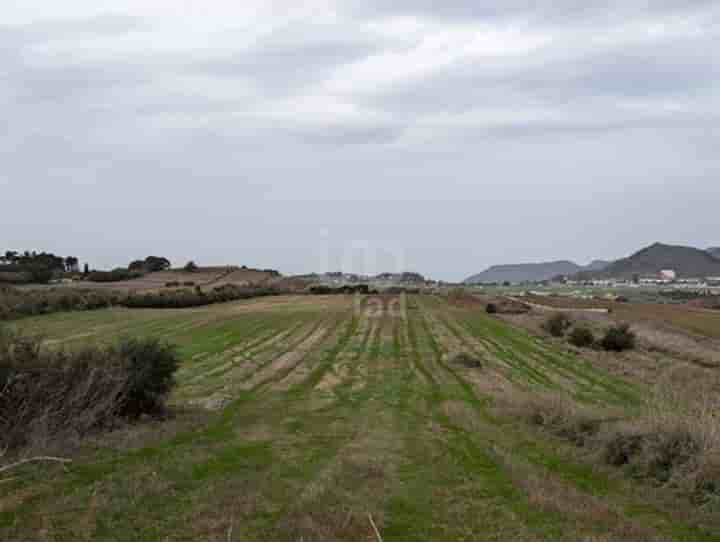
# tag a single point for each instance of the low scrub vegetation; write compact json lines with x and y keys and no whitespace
{"x":558,"y":324}
{"x":116,"y":275}
{"x":467,"y":360}
{"x":672,"y":444}
{"x":330,"y":290}
{"x":16,"y":303}
{"x":184,"y":298}
{"x":581,"y":337}
{"x":54,"y":398}
{"x":618,"y":338}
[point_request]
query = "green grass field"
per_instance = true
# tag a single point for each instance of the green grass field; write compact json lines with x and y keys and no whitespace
{"x":301,"y":418}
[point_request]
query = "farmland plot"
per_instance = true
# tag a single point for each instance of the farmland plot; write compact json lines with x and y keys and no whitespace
{"x":325,"y":418}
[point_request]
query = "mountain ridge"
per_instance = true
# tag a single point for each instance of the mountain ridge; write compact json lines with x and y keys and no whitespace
{"x":531,"y":272}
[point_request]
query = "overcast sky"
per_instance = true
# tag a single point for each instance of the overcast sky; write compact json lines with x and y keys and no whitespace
{"x":447,"y":135}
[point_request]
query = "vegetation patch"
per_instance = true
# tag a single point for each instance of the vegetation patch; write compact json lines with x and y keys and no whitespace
{"x":15,"y":303}
{"x":467,"y":360}
{"x":184,"y":298}
{"x":558,"y":324}
{"x":618,"y":338}
{"x":54,"y":398}
{"x":582,"y":337}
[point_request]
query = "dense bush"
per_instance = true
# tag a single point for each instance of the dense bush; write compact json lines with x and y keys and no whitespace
{"x":467,"y":360}
{"x":618,"y":338}
{"x":16,"y":303}
{"x":557,"y":325}
{"x":53,"y":398}
{"x":150,"y":366}
{"x":582,"y":337}
{"x":491,"y":308}
{"x":116,"y":275}
{"x":185,"y":298}
{"x":340,"y":290}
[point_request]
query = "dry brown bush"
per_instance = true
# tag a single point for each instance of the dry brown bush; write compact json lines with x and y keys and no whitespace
{"x":54,"y":398}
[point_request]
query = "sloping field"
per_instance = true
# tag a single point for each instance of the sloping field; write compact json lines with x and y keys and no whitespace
{"x":205,"y":277}
{"x":323,"y":418}
{"x":684,"y":317}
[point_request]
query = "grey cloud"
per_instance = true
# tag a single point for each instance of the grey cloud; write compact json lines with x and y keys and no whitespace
{"x":348,"y":133}
{"x":594,"y":81}
{"x":286,"y":62}
{"x":188,"y":170}
{"x":39,"y":32}
{"x":549,"y":10}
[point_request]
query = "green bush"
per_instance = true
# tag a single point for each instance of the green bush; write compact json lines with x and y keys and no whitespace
{"x":491,"y":308}
{"x":582,"y":337}
{"x":151,"y":366}
{"x":618,"y":338}
{"x":557,"y":325}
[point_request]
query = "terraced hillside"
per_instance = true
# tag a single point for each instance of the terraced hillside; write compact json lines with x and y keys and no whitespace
{"x":341,"y":418}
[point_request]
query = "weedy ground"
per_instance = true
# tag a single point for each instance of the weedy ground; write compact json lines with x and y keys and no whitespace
{"x":300,"y":418}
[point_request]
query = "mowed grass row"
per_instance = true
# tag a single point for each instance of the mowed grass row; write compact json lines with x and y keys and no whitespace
{"x":337,"y":414}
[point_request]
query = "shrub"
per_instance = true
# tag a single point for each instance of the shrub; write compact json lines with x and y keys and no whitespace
{"x":557,"y":324}
{"x":467,"y":360}
{"x":151,"y":366}
{"x":172,"y":284}
{"x":618,"y":338}
{"x":186,"y":298}
{"x":491,"y":308}
{"x":190,"y":267}
{"x":116,"y":275}
{"x":53,"y":398}
{"x":582,"y":337}
{"x":621,"y":448}
{"x":189,"y":283}
{"x":16,"y":303}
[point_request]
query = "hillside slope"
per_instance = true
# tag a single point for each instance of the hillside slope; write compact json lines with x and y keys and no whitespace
{"x":685,"y":261}
{"x":532,"y":272}
{"x":715,"y":252}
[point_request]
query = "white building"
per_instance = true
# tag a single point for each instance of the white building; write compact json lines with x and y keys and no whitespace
{"x":668,"y":274}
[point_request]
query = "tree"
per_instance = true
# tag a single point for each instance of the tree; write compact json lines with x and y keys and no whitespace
{"x":86,"y":272}
{"x":190,"y":267}
{"x":157,"y":263}
{"x":41,"y":274}
{"x":72,"y":264}
{"x":137,"y":265}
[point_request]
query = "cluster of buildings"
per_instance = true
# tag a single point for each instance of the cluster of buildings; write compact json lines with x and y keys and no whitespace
{"x":666,"y":278}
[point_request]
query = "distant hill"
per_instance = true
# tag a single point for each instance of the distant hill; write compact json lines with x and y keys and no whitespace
{"x":714,"y":251}
{"x":685,"y":261}
{"x":597,"y":265}
{"x":528,"y":272}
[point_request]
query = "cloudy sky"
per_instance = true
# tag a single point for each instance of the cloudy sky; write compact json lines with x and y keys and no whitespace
{"x":446,"y":136}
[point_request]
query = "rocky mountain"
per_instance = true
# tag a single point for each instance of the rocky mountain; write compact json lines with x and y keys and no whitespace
{"x":685,"y":261}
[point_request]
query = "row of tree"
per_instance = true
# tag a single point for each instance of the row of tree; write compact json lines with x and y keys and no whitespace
{"x":47,"y":260}
{"x":42,"y":267}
